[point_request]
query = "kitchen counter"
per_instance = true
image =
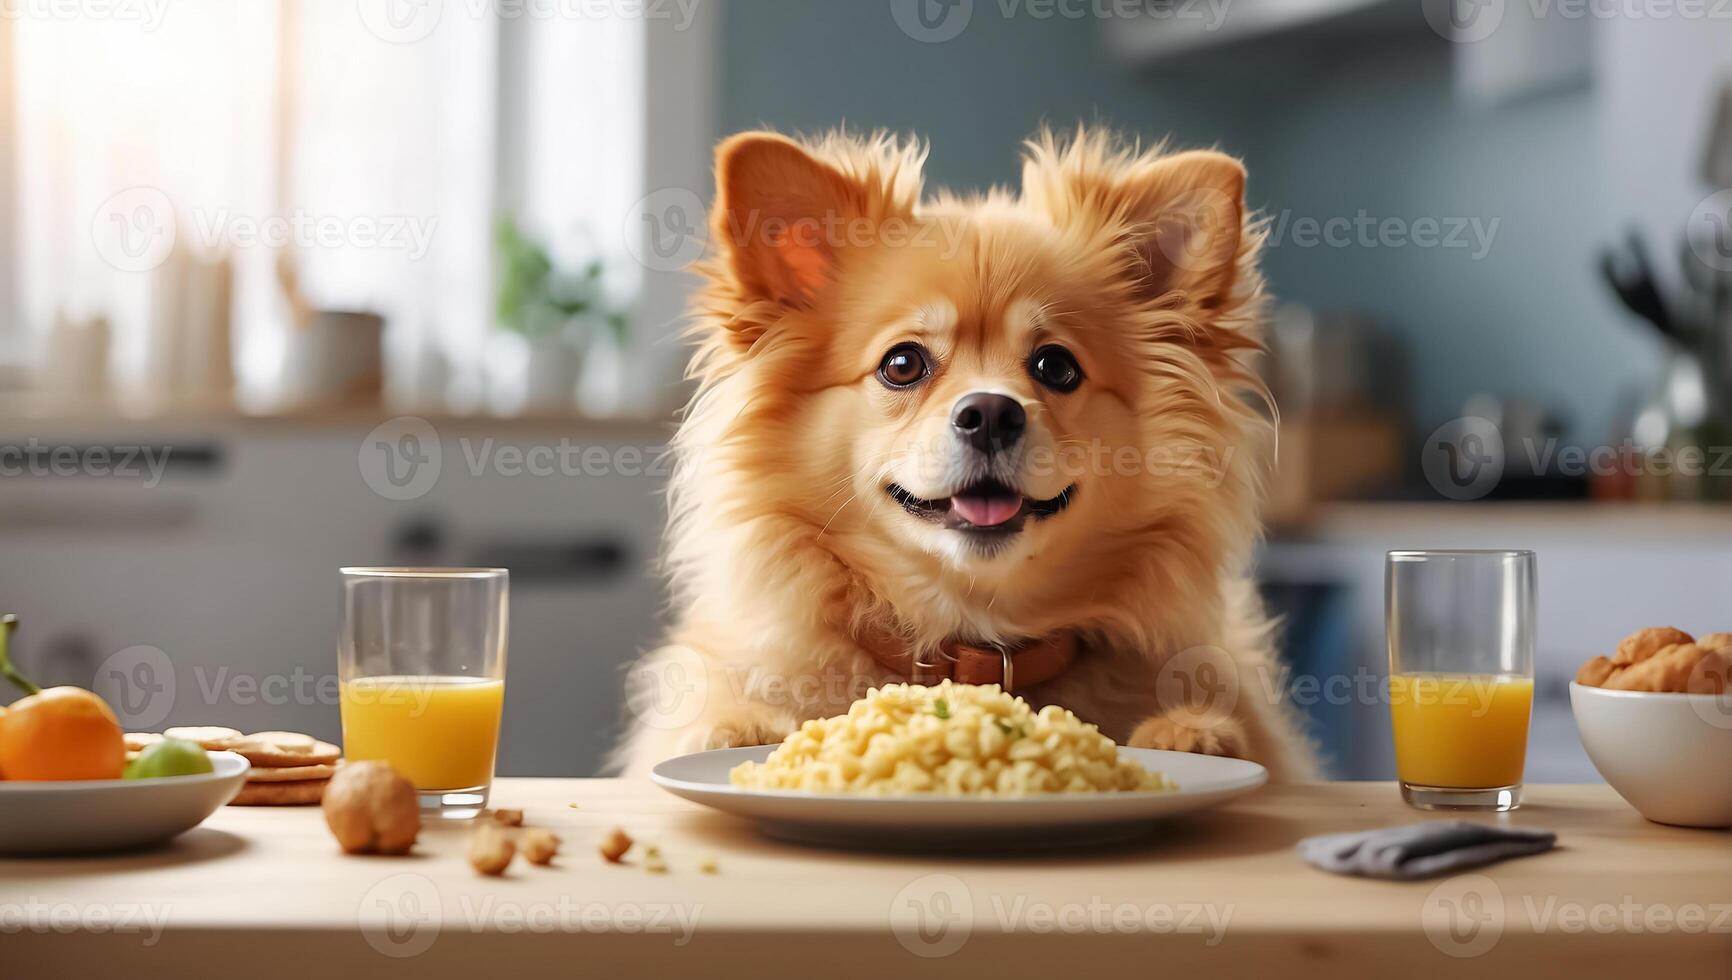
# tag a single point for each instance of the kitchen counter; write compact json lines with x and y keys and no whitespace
{"x":264,"y":893}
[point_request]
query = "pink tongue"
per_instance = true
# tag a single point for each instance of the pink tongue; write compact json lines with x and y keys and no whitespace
{"x":986,"y":511}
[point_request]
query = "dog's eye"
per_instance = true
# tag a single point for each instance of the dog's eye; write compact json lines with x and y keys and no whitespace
{"x":906,"y":365}
{"x":1054,"y":367}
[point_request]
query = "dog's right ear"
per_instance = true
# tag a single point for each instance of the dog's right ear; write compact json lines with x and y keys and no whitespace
{"x":781,"y":216}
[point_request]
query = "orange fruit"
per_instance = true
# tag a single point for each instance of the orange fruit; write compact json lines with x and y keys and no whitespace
{"x":61,"y":733}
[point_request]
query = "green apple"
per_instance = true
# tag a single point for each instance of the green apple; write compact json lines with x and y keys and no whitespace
{"x":169,"y":757}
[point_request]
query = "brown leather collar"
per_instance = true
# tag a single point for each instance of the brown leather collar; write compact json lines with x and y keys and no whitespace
{"x":1028,"y":663}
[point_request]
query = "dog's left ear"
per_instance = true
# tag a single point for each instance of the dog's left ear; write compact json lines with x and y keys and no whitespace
{"x":1182,"y":215}
{"x":777,"y":214}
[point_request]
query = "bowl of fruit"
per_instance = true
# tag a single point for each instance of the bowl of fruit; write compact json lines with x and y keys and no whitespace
{"x":68,"y":786}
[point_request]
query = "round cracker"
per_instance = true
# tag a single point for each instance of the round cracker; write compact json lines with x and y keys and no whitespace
{"x":287,"y":741}
{"x":303,"y":792}
{"x":290,"y":774}
{"x":269,"y":754}
{"x":209,"y":737}
{"x":139,"y":741}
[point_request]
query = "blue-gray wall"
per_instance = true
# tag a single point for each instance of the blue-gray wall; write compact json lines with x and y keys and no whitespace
{"x":805,"y":66}
{"x":1373,"y":128}
{"x":1381,"y":132}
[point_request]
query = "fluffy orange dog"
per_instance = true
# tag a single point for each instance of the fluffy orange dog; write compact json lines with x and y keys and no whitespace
{"x":967,"y":437}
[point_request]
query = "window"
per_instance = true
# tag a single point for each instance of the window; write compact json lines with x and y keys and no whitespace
{"x":323,"y":143}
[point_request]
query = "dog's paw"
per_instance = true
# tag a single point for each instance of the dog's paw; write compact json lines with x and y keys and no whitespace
{"x":1184,"y":730}
{"x":739,"y":733}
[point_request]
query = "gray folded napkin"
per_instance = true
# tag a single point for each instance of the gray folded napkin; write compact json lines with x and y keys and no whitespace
{"x":1421,"y":850}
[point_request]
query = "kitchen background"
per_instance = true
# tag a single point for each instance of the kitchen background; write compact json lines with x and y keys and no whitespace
{"x":295,"y":284}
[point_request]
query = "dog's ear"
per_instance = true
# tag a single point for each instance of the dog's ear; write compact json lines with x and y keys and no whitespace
{"x":1181,"y":215}
{"x":779,"y":213}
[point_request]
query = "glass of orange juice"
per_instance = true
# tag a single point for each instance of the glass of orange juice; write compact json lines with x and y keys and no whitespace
{"x":1461,"y":674}
{"x":421,"y":671}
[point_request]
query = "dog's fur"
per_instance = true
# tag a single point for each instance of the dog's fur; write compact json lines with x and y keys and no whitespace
{"x":787,"y":556}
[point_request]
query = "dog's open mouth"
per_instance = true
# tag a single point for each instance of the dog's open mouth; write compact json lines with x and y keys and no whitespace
{"x":983,"y":506}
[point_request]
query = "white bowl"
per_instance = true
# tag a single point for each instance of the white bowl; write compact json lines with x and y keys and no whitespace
{"x":88,"y":816}
{"x":1667,"y":755}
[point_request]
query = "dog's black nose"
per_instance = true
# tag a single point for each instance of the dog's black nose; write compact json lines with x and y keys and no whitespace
{"x":988,"y":422}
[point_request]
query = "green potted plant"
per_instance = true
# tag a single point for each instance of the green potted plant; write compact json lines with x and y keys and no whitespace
{"x":554,"y":313}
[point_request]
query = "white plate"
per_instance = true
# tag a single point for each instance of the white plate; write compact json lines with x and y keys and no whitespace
{"x":902,"y":822}
{"x":88,"y":816}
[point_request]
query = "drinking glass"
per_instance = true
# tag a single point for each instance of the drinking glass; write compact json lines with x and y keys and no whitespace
{"x":421,"y":669}
{"x":1461,"y":674}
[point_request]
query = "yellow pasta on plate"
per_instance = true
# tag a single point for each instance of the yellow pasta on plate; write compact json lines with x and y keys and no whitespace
{"x":949,"y":740}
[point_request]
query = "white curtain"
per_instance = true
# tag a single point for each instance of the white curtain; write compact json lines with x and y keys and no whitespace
{"x":366,"y":151}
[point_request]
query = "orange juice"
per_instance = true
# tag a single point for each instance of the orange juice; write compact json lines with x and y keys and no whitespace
{"x":440,"y":732}
{"x":1467,"y":731}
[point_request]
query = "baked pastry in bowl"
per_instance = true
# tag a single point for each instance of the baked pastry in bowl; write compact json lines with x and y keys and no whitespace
{"x":1656,"y":719}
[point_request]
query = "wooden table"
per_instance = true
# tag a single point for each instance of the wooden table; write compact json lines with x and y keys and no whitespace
{"x":265,"y":893}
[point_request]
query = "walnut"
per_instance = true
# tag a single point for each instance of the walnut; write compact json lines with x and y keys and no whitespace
{"x":371,"y":808}
{"x":1666,"y":670}
{"x":614,"y":847}
{"x":1642,"y":644}
{"x":508,"y":818}
{"x":1596,"y":672}
{"x":490,"y":849}
{"x":538,"y":845}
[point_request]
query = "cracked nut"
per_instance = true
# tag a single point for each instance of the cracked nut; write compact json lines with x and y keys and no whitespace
{"x":538,"y":845}
{"x":490,"y":849}
{"x":372,"y":809}
{"x":614,"y":847}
